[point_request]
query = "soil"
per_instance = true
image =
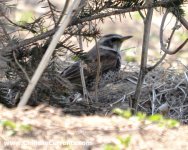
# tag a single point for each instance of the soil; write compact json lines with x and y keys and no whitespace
{"x":59,"y":131}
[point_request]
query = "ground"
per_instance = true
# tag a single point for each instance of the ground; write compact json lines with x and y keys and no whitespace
{"x":79,"y":125}
{"x":61,"y":131}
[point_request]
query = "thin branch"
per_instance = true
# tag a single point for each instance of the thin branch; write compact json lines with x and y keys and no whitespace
{"x":44,"y":62}
{"x":163,"y":47}
{"x":183,"y":21}
{"x":98,"y":70}
{"x":141,"y":14}
{"x":85,"y":93}
{"x":14,"y":54}
{"x":63,"y":12}
{"x":143,"y":67}
{"x":168,"y":46}
{"x":19,"y":25}
{"x":52,"y":11}
{"x":76,"y":21}
{"x":169,"y":41}
{"x":157,"y":64}
{"x":20,"y":66}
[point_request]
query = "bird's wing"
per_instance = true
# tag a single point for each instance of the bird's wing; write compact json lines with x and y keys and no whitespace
{"x":109,"y":59}
{"x":72,"y":72}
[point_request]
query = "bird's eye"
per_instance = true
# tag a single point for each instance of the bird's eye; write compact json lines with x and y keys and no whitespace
{"x":114,"y":39}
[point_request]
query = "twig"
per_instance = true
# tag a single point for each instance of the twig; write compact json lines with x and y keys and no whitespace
{"x":183,"y":22}
{"x":19,"y":25}
{"x":20,"y":66}
{"x":141,"y":14}
{"x":163,"y":47}
{"x":143,"y":67}
{"x":153,"y":99}
{"x":63,"y":12}
{"x":169,"y":40}
{"x":85,"y":93}
{"x":122,"y":99}
{"x":76,"y":21}
{"x":186,"y":77}
{"x":44,"y":62}
{"x":52,"y":11}
{"x":14,"y":54}
{"x":157,"y":63}
{"x":98,"y":70}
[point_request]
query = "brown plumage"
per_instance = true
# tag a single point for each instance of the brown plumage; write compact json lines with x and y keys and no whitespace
{"x":110,"y":59}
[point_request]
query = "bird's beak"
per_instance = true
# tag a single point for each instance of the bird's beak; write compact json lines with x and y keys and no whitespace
{"x":126,"y":37}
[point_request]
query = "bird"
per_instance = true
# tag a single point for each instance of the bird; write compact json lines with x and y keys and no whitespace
{"x":110,"y":60}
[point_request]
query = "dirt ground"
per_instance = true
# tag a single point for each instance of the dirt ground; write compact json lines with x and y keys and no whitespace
{"x":51,"y":129}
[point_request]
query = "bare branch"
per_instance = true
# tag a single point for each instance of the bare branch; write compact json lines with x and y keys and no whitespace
{"x":157,"y":64}
{"x":143,"y":67}
{"x":44,"y":62}
{"x":76,"y":21}
{"x":98,"y":70}
{"x":183,"y":21}
{"x":63,"y":12}
{"x":85,"y":93}
{"x":20,"y":66}
{"x":52,"y":12}
{"x":163,"y":47}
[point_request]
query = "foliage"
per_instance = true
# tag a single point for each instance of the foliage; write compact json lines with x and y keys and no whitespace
{"x":14,"y":128}
{"x":122,"y":143}
{"x":156,"y":118}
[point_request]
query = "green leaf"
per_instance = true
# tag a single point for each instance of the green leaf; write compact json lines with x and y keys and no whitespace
{"x":171,"y":123}
{"x":111,"y":147}
{"x":26,"y":17}
{"x":141,"y":116}
{"x":156,"y":118}
{"x":8,"y":124}
{"x":25,"y":127}
{"x":125,"y":141}
{"x":124,"y":113}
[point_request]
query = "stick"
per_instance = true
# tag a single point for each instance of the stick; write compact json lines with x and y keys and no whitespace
{"x":143,"y":67}
{"x":98,"y":70}
{"x":44,"y":62}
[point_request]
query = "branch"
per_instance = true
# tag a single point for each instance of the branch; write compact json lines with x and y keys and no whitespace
{"x":63,"y":12}
{"x":157,"y":63}
{"x":20,"y":66}
{"x":85,"y":93}
{"x":76,"y":21}
{"x":52,"y":11}
{"x":169,"y":40}
{"x":163,"y":47}
{"x":44,"y":62}
{"x":183,"y":22}
{"x":98,"y":70}
{"x":143,"y":67}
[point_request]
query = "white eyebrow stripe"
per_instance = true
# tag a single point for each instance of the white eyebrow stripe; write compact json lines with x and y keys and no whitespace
{"x":107,"y":48}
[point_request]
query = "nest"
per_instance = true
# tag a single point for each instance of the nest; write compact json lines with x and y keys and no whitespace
{"x":164,"y":90}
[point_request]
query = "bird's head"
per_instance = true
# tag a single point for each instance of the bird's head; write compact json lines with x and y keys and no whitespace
{"x":113,"y":41}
